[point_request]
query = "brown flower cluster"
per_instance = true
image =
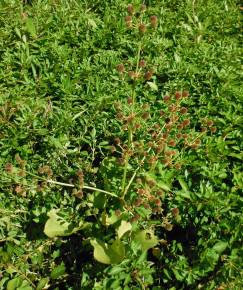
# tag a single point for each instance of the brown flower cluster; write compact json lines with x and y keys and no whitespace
{"x":134,"y":20}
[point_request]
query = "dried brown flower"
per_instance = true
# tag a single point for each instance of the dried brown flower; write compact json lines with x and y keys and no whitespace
{"x":9,"y":167}
{"x":120,"y":68}
{"x":166,"y":98}
{"x":175,"y":211}
{"x":142,"y":63}
{"x":142,"y":28}
{"x":153,"y":21}
{"x":130,"y":9}
{"x":183,"y":110}
{"x":143,"y":8}
{"x":178,"y":95}
{"x":148,"y":75}
{"x":213,"y":129}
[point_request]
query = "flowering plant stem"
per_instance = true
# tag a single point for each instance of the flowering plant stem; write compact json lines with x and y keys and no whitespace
{"x":130,"y":129}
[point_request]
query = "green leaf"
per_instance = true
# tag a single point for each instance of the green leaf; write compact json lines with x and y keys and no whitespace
{"x":42,"y":283}
{"x":146,"y":239}
{"x":163,"y":186}
{"x":14,"y":283}
{"x":108,"y":254}
{"x":18,"y":284}
{"x":30,"y":27}
{"x":109,"y":220}
{"x":56,"y":225}
{"x":183,"y":184}
{"x":92,"y":23}
{"x":58,"y":271}
{"x":123,"y":228}
{"x":153,"y":86}
{"x":220,"y":246}
{"x":185,"y":194}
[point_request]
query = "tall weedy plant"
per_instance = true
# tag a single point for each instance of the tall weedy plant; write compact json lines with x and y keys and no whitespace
{"x":148,"y":153}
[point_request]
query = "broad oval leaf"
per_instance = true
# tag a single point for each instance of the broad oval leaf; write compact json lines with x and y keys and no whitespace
{"x":56,"y":226}
{"x":108,"y":254}
{"x":123,"y":228}
{"x":146,"y":239}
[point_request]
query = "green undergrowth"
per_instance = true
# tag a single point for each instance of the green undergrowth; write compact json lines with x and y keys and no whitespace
{"x":121,"y":144}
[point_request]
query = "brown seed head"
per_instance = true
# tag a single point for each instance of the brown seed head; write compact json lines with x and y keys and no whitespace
{"x":18,"y":189}
{"x":145,"y":115}
{"x":141,"y":191}
{"x":130,"y":9}
{"x":153,"y":21}
{"x":168,"y":226}
{"x":178,"y":95}
{"x":135,"y":218}
{"x":213,"y":129}
{"x":128,"y":18}
{"x":117,"y":140}
{"x":138,"y":202}
{"x":113,"y":149}
{"x":120,"y":68}
{"x":142,"y":28}
{"x":172,"y":143}
{"x":131,"y":74}
{"x":185,"y":94}
{"x":143,"y":8}
{"x":142,"y":63}
{"x":162,"y":113}
{"x":175,"y":211}
{"x":183,"y":110}
{"x":172,"y":108}
{"x":148,"y":75}
{"x":166,"y":99}
{"x":157,"y":202}
{"x":186,"y":122}
{"x":210,"y":123}
{"x":21,"y":173}
{"x":9,"y":167}
{"x":129,"y":100}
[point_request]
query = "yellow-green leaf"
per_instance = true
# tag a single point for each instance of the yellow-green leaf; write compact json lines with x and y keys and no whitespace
{"x":108,"y":254}
{"x":146,"y":239}
{"x":123,"y":228}
{"x":56,"y":226}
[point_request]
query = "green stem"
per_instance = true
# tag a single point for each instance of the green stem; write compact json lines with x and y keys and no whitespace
{"x":130,"y":133}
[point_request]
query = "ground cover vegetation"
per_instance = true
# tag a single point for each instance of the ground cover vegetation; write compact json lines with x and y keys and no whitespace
{"x":121,"y":144}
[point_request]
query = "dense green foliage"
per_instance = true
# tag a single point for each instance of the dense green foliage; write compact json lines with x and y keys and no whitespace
{"x":101,"y":187}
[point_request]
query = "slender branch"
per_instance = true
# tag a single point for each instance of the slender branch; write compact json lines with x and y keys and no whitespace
{"x":72,"y":185}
